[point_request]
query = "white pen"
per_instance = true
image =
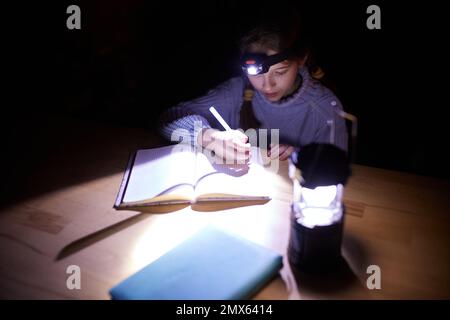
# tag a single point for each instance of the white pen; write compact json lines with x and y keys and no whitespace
{"x":219,"y":118}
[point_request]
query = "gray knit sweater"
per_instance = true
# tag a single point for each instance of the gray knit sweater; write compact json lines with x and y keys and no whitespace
{"x":309,"y":115}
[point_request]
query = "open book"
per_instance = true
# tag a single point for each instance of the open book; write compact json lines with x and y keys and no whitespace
{"x":178,"y":174}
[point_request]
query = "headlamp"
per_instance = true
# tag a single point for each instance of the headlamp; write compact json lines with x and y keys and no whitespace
{"x":259,"y":63}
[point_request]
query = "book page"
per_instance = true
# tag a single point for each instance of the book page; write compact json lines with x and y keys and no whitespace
{"x":216,"y":181}
{"x":162,"y":172}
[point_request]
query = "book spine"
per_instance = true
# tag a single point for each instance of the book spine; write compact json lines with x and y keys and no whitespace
{"x":124,"y":183}
{"x":136,"y":205}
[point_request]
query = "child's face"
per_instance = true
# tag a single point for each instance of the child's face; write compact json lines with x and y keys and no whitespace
{"x":278,"y":81}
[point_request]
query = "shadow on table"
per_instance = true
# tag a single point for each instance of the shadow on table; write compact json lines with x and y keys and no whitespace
{"x":145,"y":212}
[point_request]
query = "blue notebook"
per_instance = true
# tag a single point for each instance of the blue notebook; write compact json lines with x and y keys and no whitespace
{"x":211,"y":265}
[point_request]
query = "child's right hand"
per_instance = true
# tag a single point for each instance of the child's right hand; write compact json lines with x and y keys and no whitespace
{"x":231,"y":146}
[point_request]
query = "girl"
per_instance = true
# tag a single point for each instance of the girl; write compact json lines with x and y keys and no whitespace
{"x":277,"y":91}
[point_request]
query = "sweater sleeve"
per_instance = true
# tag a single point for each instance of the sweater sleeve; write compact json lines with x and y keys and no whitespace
{"x":332,"y":128}
{"x":182,"y":122}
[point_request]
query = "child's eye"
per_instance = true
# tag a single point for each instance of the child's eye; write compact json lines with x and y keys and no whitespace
{"x":280,"y":72}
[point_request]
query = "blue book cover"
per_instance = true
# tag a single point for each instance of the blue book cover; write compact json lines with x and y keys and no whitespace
{"x":211,"y":265}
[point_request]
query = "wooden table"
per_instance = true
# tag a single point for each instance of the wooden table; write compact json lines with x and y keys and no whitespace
{"x":397,"y":221}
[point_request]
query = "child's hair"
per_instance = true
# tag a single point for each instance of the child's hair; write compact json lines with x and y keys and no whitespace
{"x":277,"y":31}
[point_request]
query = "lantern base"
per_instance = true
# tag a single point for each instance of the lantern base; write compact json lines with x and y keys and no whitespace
{"x":316,"y":250}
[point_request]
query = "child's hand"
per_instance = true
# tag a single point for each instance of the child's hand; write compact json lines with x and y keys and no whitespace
{"x":281,"y":151}
{"x":228,"y":145}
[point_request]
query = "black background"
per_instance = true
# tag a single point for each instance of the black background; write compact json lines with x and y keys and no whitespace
{"x":133,"y":59}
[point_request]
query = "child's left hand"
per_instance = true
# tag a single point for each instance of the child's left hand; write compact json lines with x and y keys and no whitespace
{"x":281,"y":151}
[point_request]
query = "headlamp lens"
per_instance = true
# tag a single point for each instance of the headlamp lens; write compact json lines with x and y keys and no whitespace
{"x":253,"y":70}
{"x":253,"y":64}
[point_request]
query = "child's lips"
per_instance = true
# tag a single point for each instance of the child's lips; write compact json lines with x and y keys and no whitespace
{"x":271,"y":94}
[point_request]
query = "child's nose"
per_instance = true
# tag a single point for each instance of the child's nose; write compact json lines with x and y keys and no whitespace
{"x":268,"y":82}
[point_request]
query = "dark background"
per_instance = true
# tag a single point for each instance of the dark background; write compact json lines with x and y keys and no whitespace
{"x":133,"y":59}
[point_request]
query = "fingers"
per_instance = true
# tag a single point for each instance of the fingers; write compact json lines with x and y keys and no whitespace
{"x":234,"y":136}
{"x":237,"y":151}
{"x":230,"y":146}
{"x":230,"y":155}
{"x":240,"y":136}
{"x":233,"y":144}
{"x":286,"y":153}
{"x":240,"y":146}
{"x":273,"y":151}
{"x":280,"y":151}
{"x":240,"y":142}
